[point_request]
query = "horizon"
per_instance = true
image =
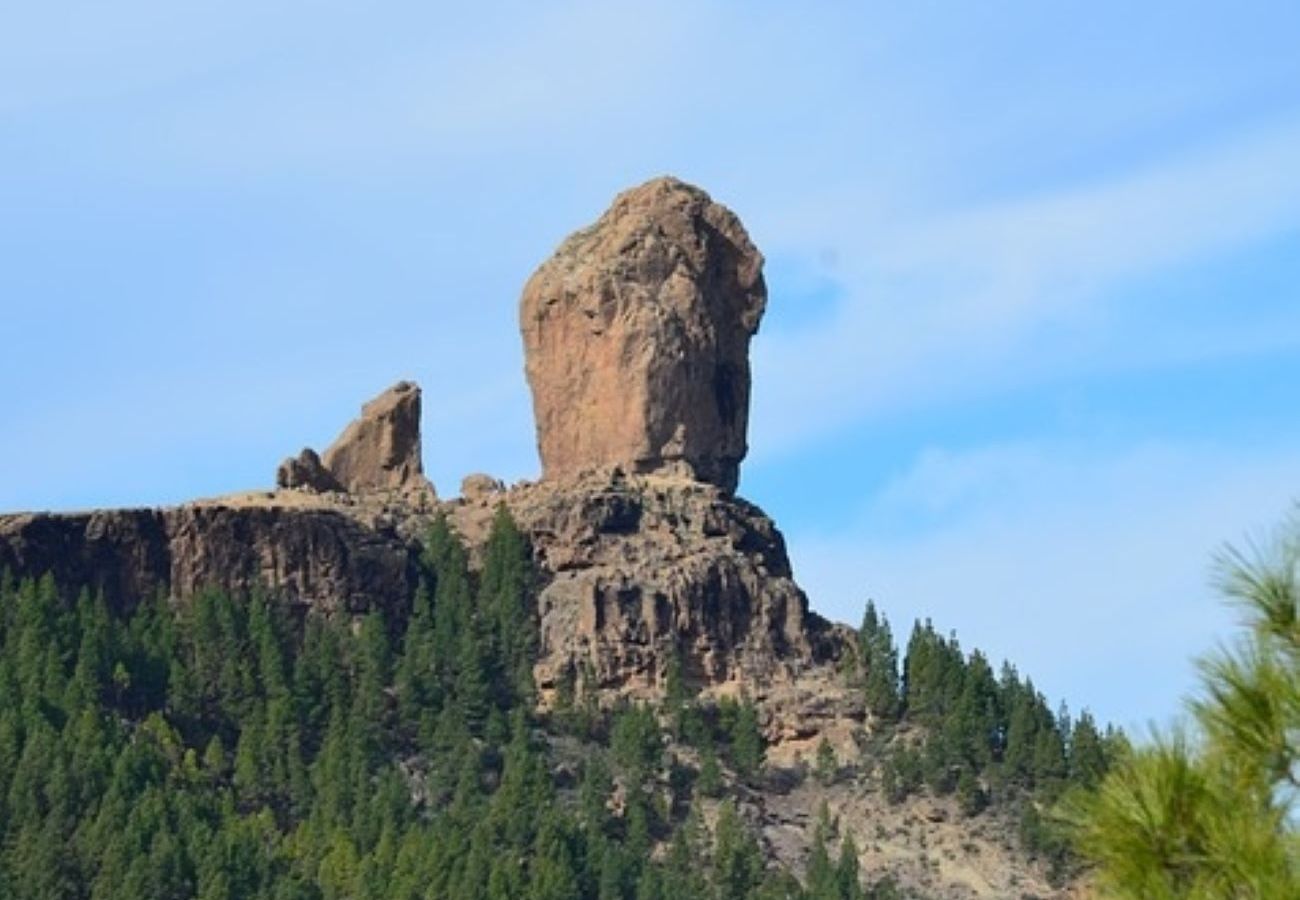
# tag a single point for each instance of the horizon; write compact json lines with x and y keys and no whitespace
{"x":1032,"y":322}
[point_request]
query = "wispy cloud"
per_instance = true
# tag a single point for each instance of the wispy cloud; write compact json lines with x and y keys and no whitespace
{"x":940,"y":305}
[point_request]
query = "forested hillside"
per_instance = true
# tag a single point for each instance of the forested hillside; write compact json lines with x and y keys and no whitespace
{"x":240,"y":747}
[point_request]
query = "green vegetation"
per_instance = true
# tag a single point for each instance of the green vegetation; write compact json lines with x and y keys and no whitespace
{"x":987,"y":739}
{"x":238,"y":747}
{"x":1210,"y":812}
{"x":223,"y":748}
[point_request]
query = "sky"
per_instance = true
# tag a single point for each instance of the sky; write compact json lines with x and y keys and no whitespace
{"x":1032,"y":348}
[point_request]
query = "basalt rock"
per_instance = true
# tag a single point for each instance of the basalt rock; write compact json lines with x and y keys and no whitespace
{"x":321,"y":558}
{"x":639,"y":570}
{"x":636,"y":339}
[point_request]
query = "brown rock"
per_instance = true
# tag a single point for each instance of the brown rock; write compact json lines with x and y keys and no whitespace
{"x":638,"y":570}
{"x":306,"y":472}
{"x":636,"y":338}
{"x":317,"y":557}
{"x":380,"y":451}
{"x":479,"y":486}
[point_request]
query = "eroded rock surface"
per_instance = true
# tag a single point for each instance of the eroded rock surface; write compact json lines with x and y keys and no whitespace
{"x":323,"y":558}
{"x":638,"y":570}
{"x":380,"y":451}
{"x":479,"y":486}
{"x":306,"y":472}
{"x":636,"y":338}
{"x":634,"y":571}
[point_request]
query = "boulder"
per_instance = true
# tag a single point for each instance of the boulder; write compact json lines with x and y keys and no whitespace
{"x":636,"y":339}
{"x":306,"y":472}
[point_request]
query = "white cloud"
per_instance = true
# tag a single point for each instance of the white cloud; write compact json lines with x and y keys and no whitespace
{"x":1088,"y":570}
{"x":975,"y":300}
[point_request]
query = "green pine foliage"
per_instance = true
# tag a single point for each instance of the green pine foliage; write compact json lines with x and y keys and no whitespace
{"x":986,"y":739}
{"x":222,"y":748}
{"x":1210,"y":810}
{"x":879,"y":657}
{"x":232,"y":747}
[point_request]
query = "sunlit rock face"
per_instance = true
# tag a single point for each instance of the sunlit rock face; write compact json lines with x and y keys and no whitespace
{"x":636,"y":337}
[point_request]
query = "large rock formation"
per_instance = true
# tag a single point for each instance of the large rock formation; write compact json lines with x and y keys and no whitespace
{"x":380,"y":451}
{"x":637,"y":334}
{"x":637,"y":570}
{"x":636,"y":338}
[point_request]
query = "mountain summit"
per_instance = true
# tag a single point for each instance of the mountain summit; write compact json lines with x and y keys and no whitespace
{"x":626,"y":605}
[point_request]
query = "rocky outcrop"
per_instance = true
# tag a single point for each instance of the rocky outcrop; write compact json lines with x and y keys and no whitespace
{"x":636,"y":339}
{"x":637,"y":570}
{"x":478,"y":486}
{"x":306,"y":472}
{"x":321,"y":558}
{"x":634,"y":570}
{"x":377,"y":453}
{"x":380,"y":451}
{"x":636,"y":334}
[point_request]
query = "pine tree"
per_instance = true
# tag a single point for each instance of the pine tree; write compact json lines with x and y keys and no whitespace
{"x":505,"y":603}
{"x":1088,"y":762}
{"x":709,"y":783}
{"x":1212,"y":813}
{"x":445,"y":561}
{"x":684,"y":878}
{"x":737,"y":859}
{"x":419,"y":694}
{"x":880,"y":663}
{"x":821,"y":882}
{"x":847,"y":879}
{"x":636,"y":741}
{"x":747,"y":746}
{"x":826,"y":766}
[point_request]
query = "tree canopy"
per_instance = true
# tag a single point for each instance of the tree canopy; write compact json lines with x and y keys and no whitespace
{"x":1208,"y":810}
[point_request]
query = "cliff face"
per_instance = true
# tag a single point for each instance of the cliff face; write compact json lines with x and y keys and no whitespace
{"x":322,"y":558}
{"x":639,"y":569}
{"x":634,"y":570}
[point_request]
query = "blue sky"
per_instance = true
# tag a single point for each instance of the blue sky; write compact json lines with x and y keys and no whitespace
{"x":1032,"y":348}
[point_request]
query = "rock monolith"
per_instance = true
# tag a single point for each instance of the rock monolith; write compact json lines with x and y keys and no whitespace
{"x":636,"y":339}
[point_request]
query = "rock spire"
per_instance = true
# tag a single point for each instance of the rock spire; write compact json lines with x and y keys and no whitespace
{"x":379,"y":451}
{"x":636,"y":339}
